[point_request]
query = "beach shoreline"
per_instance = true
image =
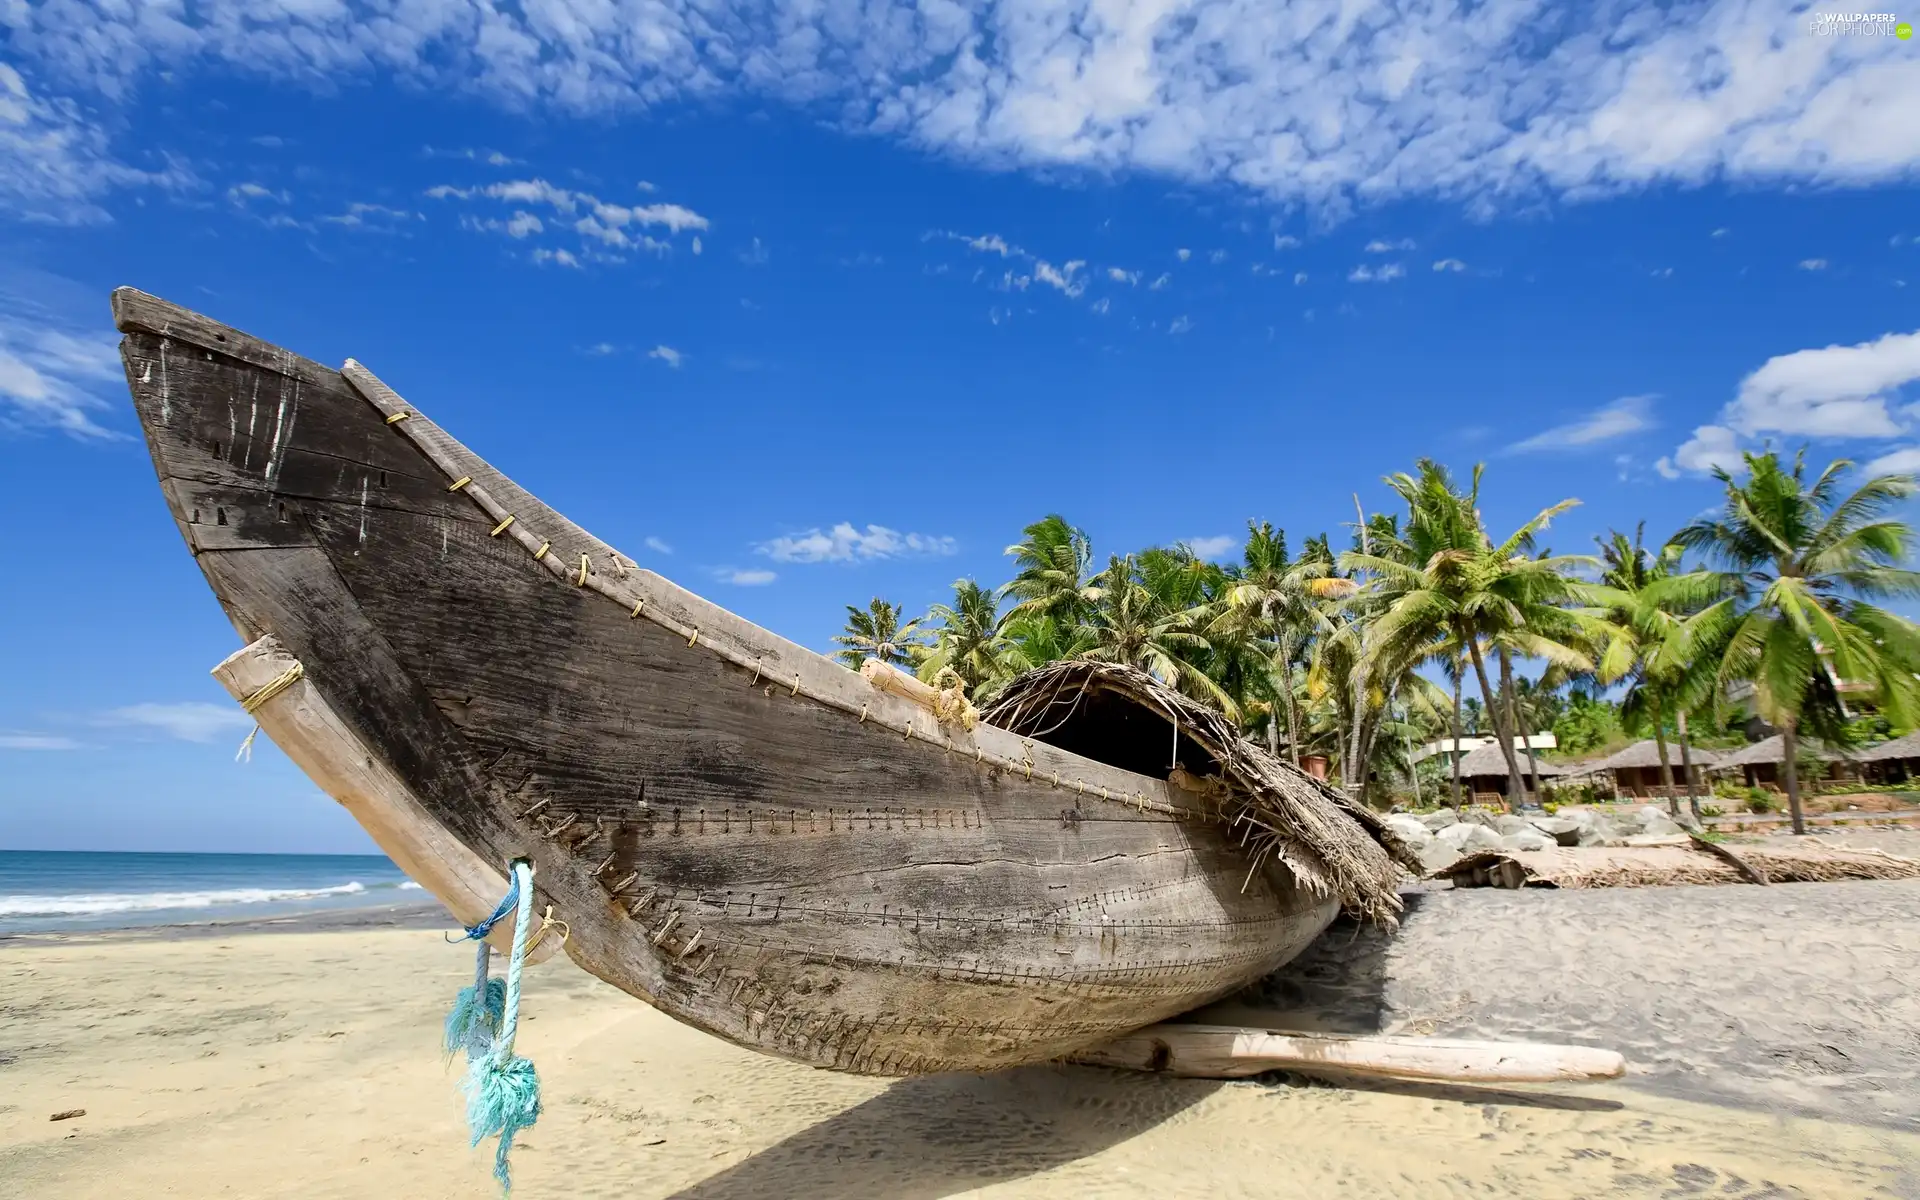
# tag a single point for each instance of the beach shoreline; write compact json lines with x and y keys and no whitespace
{"x":411,"y":914}
{"x":214,"y":1060}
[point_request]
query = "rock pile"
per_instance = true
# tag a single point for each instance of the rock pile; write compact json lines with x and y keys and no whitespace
{"x":1441,"y":838}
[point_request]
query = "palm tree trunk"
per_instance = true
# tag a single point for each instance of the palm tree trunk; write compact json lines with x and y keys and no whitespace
{"x":1790,"y":746}
{"x":1513,"y":723}
{"x":1666,"y":765}
{"x":1513,"y":715}
{"x":1459,"y":677}
{"x":1500,"y":733}
{"x":1286,"y":692}
{"x":1686,"y":765}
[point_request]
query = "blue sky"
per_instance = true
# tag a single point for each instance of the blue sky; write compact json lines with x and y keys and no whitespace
{"x":802,"y":305}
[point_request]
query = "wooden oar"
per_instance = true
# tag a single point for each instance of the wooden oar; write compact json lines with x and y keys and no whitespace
{"x":1234,"y":1051}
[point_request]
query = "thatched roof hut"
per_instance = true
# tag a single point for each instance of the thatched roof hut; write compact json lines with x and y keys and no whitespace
{"x":1760,"y":762}
{"x":1484,"y":768}
{"x":1773,"y":751}
{"x":1646,"y":753}
{"x":1899,"y":749}
{"x":1636,"y":769}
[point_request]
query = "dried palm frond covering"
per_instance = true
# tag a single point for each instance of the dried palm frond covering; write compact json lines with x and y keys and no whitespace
{"x":1123,"y":716}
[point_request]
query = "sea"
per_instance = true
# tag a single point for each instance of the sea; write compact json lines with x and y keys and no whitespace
{"x":47,"y":890}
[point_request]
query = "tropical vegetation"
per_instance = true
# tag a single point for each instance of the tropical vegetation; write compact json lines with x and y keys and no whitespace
{"x":1768,"y":616}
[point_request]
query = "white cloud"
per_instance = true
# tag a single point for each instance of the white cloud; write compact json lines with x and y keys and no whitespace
{"x":1627,"y":415}
{"x":1316,"y":102}
{"x":747,"y":578}
{"x":613,"y":226}
{"x":1063,"y":279}
{"x":1813,"y":264}
{"x":1450,"y":264}
{"x":1118,"y":275}
{"x":1831,"y":392}
{"x":658,"y":545}
{"x":668,"y":355}
{"x":1721,"y":232}
{"x":1377,"y":246}
{"x":190,"y":721}
{"x":697,"y":246}
{"x":1213,"y":547}
{"x":601,"y":350}
{"x":1661,"y":273}
{"x":492,"y":158}
{"x":1838,"y":391}
{"x":374,"y":218}
{"x":1217,"y":257}
{"x":1385,"y":273}
{"x":1904,"y":461}
{"x":1183,"y":254}
{"x":844,"y":543}
{"x":20,"y":740}
{"x":1101,"y":306}
{"x":755,"y":255}
{"x":1710,"y":446}
{"x":51,"y":371}
{"x":1180,"y":324}
{"x":1299,"y":277}
{"x":1282,"y":241}
{"x":56,"y":158}
{"x":1161,"y":282}
{"x":240,"y":193}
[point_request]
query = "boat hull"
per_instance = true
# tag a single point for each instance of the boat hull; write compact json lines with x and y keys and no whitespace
{"x":735,"y":829}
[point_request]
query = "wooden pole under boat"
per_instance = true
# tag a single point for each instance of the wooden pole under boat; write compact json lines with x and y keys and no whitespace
{"x":1235,"y":1052}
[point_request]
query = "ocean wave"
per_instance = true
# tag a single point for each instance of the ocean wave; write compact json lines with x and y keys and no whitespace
{"x":410,"y":886}
{"x":99,"y":903}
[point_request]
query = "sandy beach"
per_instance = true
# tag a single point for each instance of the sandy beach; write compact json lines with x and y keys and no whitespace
{"x":1770,"y":1032}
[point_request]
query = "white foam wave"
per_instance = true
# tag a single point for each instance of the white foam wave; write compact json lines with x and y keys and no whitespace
{"x":410,"y":885}
{"x":99,"y":903}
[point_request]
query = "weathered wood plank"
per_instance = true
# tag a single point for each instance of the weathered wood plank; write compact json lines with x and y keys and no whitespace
{"x":1234,"y":1052}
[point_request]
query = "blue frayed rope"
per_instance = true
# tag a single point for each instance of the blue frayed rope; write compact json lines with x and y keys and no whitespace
{"x":475,"y":932}
{"x":475,"y":1019}
{"x":503,"y":1092}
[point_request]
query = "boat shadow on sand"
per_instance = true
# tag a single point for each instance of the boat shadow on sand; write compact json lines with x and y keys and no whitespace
{"x":939,"y":1135}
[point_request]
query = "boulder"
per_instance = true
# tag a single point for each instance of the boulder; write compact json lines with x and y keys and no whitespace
{"x":1506,"y":823}
{"x":1436,"y":821}
{"x":1410,"y":829}
{"x":1655,"y":822}
{"x":1594,"y":828}
{"x":1527,"y":839}
{"x":1437,"y":856}
{"x":1468,"y":837}
{"x":1565,"y":831}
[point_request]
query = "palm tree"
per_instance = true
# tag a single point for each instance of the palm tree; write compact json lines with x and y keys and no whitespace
{"x":966,"y":639}
{"x":1278,"y":600}
{"x":1444,"y":584}
{"x":1133,"y":625}
{"x":1804,"y":564}
{"x":877,"y":633}
{"x":1050,"y":580}
{"x":1662,"y":624}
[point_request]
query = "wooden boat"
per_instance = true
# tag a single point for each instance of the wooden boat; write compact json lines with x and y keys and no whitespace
{"x":736,"y":829}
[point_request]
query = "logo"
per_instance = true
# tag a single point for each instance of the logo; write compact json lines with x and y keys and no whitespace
{"x":1903,"y":31}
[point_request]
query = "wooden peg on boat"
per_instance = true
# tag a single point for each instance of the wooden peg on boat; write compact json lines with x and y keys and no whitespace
{"x":1234,"y":1052}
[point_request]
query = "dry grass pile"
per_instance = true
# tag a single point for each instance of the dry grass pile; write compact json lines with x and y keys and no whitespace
{"x":1672,"y":866}
{"x":1332,"y":845}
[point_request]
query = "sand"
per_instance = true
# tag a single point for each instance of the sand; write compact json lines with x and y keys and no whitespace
{"x":243,"y":1063}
